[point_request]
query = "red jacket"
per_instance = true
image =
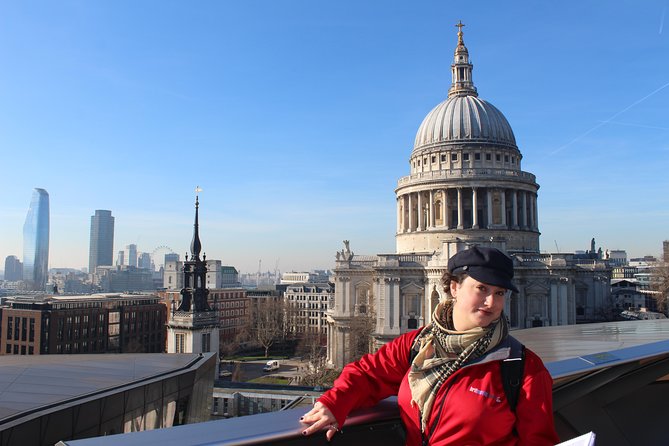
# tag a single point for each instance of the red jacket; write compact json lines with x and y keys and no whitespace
{"x":470,"y":408}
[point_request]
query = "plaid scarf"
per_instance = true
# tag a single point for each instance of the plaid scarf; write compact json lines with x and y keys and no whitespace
{"x":443,"y":350}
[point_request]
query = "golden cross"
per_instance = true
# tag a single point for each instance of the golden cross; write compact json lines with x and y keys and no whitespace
{"x":460,"y":25}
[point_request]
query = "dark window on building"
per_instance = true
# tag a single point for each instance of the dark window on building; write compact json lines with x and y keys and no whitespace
{"x":506,"y":158}
{"x":465,"y":157}
{"x":31,"y":350}
{"x":488,"y":157}
{"x":10,"y":322}
{"x":513,"y":160}
{"x":477,"y":157}
{"x":454,"y":156}
{"x":443,"y":158}
{"x":23,"y":349}
{"x":434,"y":159}
{"x":498,"y":157}
{"x":32,"y":329}
{"x":8,"y":350}
{"x":412,"y":323}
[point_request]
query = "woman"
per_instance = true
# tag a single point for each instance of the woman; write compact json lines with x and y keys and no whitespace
{"x":447,"y":376}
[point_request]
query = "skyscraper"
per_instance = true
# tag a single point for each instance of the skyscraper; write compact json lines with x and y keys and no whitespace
{"x":101,"y":251}
{"x":36,"y":241}
{"x":144,"y":261}
{"x":131,"y":255}
{"x":13,"y":269}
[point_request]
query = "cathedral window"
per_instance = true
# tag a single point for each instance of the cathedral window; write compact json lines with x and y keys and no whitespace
{"x":506,"y":158}
{"x":434,"y":159}
{"x":488,"y":157}
{"x":454,"y":156}
{"x":498,"y":157}
{"x":513,"y":160}
{"x":465,"y":157}
{"x":443,"y":158}
{"x":477,"y":157}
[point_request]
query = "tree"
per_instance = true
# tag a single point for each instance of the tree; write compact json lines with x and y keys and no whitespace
{"x":360,"y":336}
{"x":315,"y":371}
{"x":660,"y":286}
{"x":267,"y":322}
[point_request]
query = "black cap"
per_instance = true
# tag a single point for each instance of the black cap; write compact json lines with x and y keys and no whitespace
{"x":487,"y":265}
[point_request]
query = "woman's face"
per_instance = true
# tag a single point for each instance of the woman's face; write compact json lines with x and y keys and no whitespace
{"x":477,"y":304}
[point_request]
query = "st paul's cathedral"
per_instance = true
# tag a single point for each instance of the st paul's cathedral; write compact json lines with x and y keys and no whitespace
{"x":466,"y":187}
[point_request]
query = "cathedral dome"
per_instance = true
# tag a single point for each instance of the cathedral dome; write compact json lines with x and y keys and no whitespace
{"x":464,"y":119}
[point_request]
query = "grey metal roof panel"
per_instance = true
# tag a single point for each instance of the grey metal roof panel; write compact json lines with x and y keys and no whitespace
{"x":28,"y":383}
{"x":571,"y":341}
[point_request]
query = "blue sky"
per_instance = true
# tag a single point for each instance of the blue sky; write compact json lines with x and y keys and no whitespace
{"x":297,"y":118}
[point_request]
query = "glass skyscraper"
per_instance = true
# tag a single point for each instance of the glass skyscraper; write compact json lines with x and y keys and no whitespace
{"x":101,"y":251}
{"x":36,"y":241}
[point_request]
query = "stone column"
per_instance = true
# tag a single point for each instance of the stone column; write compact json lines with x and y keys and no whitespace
{"x":444,"y":207}
{"x":523,"y":210}
{"x":431,"y":221}
{"x":399,"y":214}
{"x":420,"y":227}
{"x":475,"y":214}
{"x":502,"y":195}
{"x":410,"y":212}
{"x":460,"y":222}
{"x":536,"y":212}
{"x":514,"y":209}
{"x":488,"y":193}
{"x":530,"y":210}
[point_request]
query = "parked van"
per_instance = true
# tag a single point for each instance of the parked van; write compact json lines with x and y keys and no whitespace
{"x":271,"y":366}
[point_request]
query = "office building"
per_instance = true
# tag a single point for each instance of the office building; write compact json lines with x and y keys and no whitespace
{"x":36,"y":241}
{"x":101,"y":248}
{"x":131,"y":255}
{"x":308,"y":303}
{"x":144,"y":261}
{"x":13,"y":269}
{"x":97,"y":323}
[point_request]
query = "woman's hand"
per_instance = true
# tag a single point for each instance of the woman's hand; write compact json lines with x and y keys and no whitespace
{"x":320,"y":418}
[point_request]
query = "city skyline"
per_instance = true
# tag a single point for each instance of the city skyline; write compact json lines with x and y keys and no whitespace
{"x":298,"y":119}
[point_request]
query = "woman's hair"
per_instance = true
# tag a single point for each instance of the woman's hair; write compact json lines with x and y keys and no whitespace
{"x":449,"y":277}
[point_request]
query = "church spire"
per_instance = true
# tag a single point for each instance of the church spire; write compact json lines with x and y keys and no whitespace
{"x":461,"y":69}
{"x":196,"y":245}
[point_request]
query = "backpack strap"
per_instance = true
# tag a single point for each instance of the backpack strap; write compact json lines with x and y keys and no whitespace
{"x":512,"y":372}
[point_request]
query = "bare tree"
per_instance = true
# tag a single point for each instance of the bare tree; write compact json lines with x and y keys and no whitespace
{"x":315,"y":372}
{"x":267,"y":322}
{"x":660,"y":286}
{"x":361,"y":329}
